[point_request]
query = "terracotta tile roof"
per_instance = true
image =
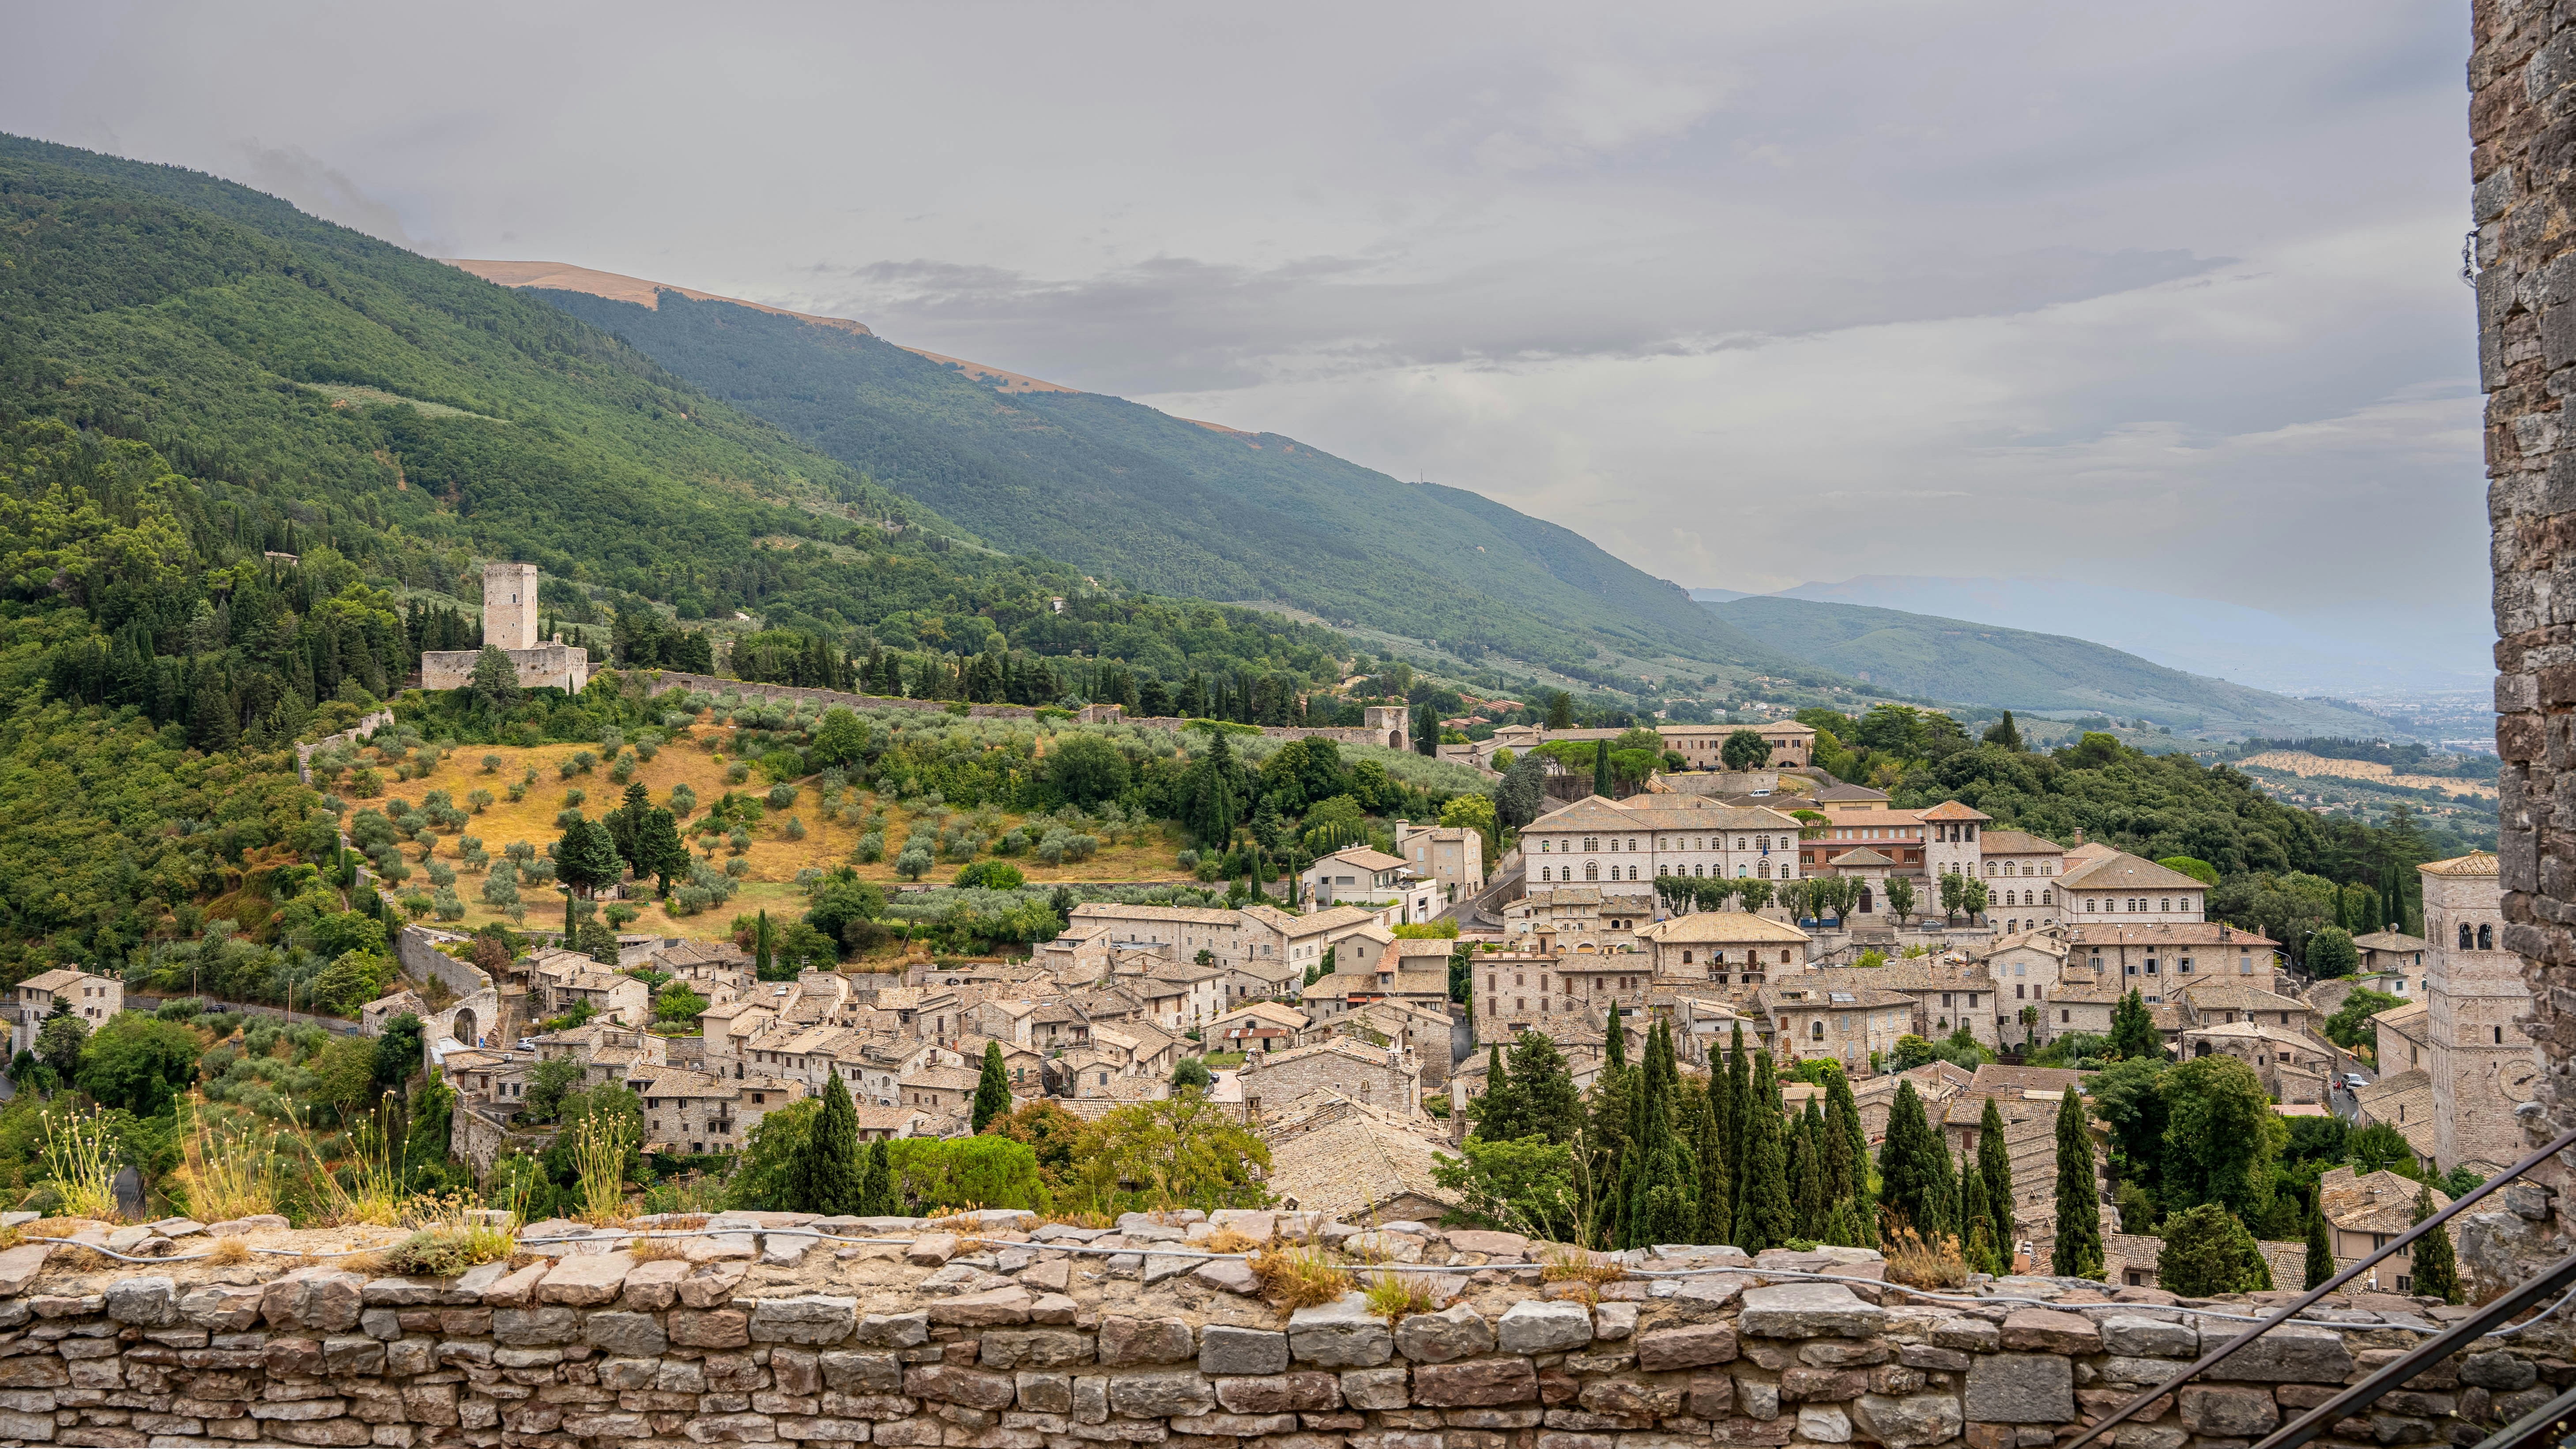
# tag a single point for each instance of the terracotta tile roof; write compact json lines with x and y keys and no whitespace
{"x":2379,"y":1202}
{"x":2162,"y":933}
{"x":2403,"y":1101}
{"x":2123,"y":871}
{"x":1860,"y":858}
{"x":1090,"y":911}
{"x":2411,"y":1021}
{"x":944,"y":1079}
{"x":1363,"y":857}
{"x":2476,"y":862}
{"x":1722,"y":927}
{"x":2389,"y":941}
{"x":2015,"y":842}
{"x":1951,"y":810}
{"x":1850,"y":792}
{"x":1804,"y":996}
{"x":1998,"y":1079}
{"x":1345,"y":1158}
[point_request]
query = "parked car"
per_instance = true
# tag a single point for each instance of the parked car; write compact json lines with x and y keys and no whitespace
{"x":2354,"y":1081}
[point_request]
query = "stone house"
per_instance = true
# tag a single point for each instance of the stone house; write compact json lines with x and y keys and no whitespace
{"x":611,"y":996}
{"x":2158,"y":957}
{"x":1577,"y":918}
{"x":1856,"y":1027}
{"x":1723,"y":948}
{"x":510,"y":619}
{"x":2100,"y":883}
{"x":94,"y":999}
{"x":2293,"y":1065}
{"x":2403,"y":1100}
{"x":941,"y":1091}
{"x":2364,"y":1211}
{"x":1357,"y":1163}
{"x":696,"y":1112}
{"x":1023,"y":1067}
{"x":1262,"y":1026}
{"x":1452,"y":858}
{"x":1385,"y":1077}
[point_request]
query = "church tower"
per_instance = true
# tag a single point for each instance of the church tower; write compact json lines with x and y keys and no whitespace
{"x":2481,"y":1064}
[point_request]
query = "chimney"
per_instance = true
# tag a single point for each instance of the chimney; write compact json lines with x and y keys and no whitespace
{"x":2079,"y":835}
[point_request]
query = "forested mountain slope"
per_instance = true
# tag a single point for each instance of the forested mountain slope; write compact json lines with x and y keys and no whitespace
{"x":1936,"y":658}
{"x":1180,"y":507}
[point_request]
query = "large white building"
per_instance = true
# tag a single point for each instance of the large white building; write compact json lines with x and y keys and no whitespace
{"x":1595,"y":841}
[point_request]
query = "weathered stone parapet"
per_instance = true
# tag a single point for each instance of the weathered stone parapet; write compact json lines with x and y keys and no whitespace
{"x":756,"y":1332}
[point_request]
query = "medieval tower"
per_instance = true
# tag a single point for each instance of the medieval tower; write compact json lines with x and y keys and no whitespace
{"x":510,"y":625}
{"x":510,"y":605}
{"x":2481,"y":1063}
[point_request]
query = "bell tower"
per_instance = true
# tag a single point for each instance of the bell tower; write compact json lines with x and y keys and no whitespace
{"x":510,"y":605}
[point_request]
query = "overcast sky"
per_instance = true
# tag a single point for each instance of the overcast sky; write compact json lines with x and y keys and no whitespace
{"x":2159,"y":296}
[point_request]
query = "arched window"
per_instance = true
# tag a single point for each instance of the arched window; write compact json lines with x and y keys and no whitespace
{"x":1592,"y":870}
{"x":1815,"y":1031}
{"x":2486,"y":938}
{"x":1762,"y":842}
{"x":2466,"y":941}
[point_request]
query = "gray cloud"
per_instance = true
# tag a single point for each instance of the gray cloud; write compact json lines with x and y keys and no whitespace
{"x":2157,"y":296}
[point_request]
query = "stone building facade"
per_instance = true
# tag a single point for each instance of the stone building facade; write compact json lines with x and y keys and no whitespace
{"x":2482,"y":1065}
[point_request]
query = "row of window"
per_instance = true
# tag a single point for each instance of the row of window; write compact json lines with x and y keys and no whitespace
{"x":1592,"y":871}
{"x":2136,"y":904}
{"x":2485,"y":938}
{"x":1547,"y":844}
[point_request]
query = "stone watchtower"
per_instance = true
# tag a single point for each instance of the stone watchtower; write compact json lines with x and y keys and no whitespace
{"x":2481,"y":1063}
{"x":510,"y":625}
{"x":1391,"y":724}
{"x":510,"y":605}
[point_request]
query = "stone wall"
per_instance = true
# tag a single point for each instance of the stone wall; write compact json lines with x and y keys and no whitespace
{"x":380,"y":719}
{"x":761,"y":1333}
{"x":660,"y":681}
{"x":2522,"y":133}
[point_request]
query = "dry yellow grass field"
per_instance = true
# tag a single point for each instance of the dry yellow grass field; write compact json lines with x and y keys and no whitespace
{"x":774,"y":859}
{"x":2305,"y":765}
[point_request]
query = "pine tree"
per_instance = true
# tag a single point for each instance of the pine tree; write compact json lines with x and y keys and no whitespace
{"x":1911,"y":1165}
{"x":992,"y":1088}
{"x":1994,"y":1164}
{"x":2078,"y":1253}
{"x":2437,"y":1268}
{"x":2321,"y":1262}
{"x":1544,"y":1088}
{"x":876,"y":1191}
{"x":2133,"y":1030}
{"x":1977,"y":1244}
{"x":1766,"y":1217}
{"x":824,"y":1176}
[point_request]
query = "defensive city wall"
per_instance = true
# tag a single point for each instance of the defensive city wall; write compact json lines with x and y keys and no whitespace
{"x":998,"y":1332}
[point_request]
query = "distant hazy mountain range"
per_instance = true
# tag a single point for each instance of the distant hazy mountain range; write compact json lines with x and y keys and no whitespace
{"x":1978,"y":663}
{"x":2353,"y":652}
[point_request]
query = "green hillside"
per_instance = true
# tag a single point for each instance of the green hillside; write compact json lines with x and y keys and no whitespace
{"x":1929,"y":657}
{"x":1118,"y":489}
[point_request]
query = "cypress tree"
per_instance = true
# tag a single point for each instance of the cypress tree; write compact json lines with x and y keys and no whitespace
{"x":1833,"y":1144}
{"x":824,"y":1175}
{"x":1977,"y":1244}
{"x":568,"y":921}
{"x":2078,"y":1253}
{"x":2321,"y":1263}
{"x":992,"y":1088}
{"x":1911,"y":1164}
{"x":1672,"y":1215}
{"x":1498,"y":1115}
{"x":1766,"y":1217}
{"x":876,"y":1190}
{"x":1616,"y":1052}
{"x":1608,"y":1133}
{"x":2437,"y":1268}
{"x":1739,"y":1110}
{"x":1630,"y":1196}
{"x":1840,"y":1104}
{"x":1716,"y":1169}
{"x":1808,"y":1172}
{"x":760,"y":957}
{"x":1601,"y":782}
{"x":1994,"y":1164}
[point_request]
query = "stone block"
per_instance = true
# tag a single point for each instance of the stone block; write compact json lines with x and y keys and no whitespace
{"x":1824,"y":1424}
{"x":2227,"y":1411}
{"x":637,"y":1335}
{"x":585,"y":1280}
{"x":322,"y":1300}
{"x":1455,"y":1332}
{"x":2050,"y":1330}
{"x":1374,"y":1389}
{"x":894,"y":1330}
{"x":2139,"y":1336}
{"x":1534,"y":1326}
{"x":149,"y":1302}
{"x":1662,"y":1349}
{"x":2021,"y":1388}
{"x":1009,"y":1304}
{"x":1125,"y":1340}
{"x":931,"y":1250}
{"x":710,"y":1328}
{"x":972,"y":1388}
{"x":1628,"y":1397}
{"x":1036,"y":1348}
{"x":1342,"y":1334}
{"x":1909,"y":1421}
{"x":1242,"y":1352}
{"x":1808,"y":1310}
{"x":654,"y":1286}
{"x":2288,"y":1354}
{"x":535,"y":1327}
{"x":813,"y":1318}
{"x":2498,"y":1372}
{"x":1613,"y":1321}
{"x":1161,"y":1395}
